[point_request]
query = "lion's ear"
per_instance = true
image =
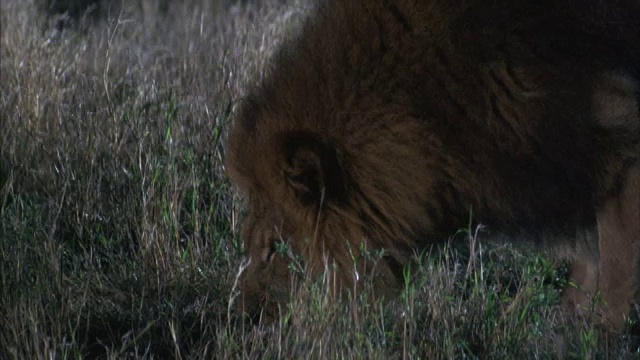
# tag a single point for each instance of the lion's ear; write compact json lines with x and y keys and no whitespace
{"x":312,"y":169}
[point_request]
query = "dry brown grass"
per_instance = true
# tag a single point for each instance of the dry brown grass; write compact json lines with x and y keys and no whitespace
{"x":117,"y":225}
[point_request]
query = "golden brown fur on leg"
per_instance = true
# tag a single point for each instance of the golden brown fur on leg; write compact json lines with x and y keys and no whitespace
{"x":607,"y":261}
{"x":583,"y":272}
{"x":618,"y":217}
{"x":619,"y":229}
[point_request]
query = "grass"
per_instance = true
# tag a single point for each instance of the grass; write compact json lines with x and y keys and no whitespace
{"x":118,"y":228}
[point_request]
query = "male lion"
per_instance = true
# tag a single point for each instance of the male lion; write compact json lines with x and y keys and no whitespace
{"x":385,"y":122}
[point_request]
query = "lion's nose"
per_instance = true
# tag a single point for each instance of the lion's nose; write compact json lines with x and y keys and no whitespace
{"x":261,"y":315}
{"x":254,"y":317}
{"x":256,"y":308}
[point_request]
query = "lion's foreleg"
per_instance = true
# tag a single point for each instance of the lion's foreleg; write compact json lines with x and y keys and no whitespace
{"x":619,"y":242}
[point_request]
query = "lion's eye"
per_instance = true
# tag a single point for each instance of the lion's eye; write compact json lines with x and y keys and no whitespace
{"x":273,"y":249}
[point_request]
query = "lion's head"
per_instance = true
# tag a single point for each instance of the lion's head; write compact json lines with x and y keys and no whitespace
{"x":305,"y":212}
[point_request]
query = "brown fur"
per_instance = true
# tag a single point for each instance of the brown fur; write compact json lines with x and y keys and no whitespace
{"x":386,"y":122}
